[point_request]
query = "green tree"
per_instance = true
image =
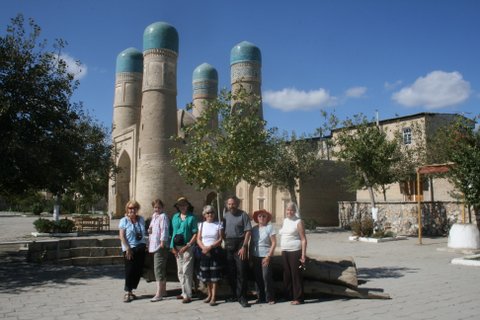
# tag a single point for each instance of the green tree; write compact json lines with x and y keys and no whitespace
{"x":95,"y":164}
{"x":295,"y":158}
{"x":462,"y":143}
{"x":219,"y":157}
{"x":45,"y":141}
{"x":372,"y":156}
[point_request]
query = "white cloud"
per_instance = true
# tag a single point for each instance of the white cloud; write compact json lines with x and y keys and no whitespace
{"x":290,"y":99}
{"x":356,"y":92}
{"x":437,"y":89}
{"x":79,"y":71}
{"x":390,"y":86}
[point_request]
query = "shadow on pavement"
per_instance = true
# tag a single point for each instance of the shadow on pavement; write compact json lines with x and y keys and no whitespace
{"x":383,"y":272}
{"x":17,"y":275}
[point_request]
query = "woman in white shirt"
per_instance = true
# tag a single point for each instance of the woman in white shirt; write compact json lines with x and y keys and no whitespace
{"x":209,"y":239}
{"x":294,"y":247}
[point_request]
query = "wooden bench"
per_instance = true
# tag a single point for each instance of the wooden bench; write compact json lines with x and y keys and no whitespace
{"x":90,"y":223}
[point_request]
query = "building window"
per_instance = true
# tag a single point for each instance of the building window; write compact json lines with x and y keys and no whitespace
{"x":261,"y":204}
{"x":407,"y":135}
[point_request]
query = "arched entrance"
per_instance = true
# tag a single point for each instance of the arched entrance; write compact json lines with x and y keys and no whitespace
{"x":123,"y":183}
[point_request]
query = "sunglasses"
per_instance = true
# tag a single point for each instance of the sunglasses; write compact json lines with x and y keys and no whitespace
{"x":132,"y":208}
{"x":209,"y":212}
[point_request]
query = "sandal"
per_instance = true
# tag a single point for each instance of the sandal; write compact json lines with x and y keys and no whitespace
{"x":271,"y":302}
{"x":127,"y":298}
{"x":295,"y":302}
{"x":213,"y":303}
{"x":156,"y":298}
{"x":133,"y":296}
{"x":207,"y":299}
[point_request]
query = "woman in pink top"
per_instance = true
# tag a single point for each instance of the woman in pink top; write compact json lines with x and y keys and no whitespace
{"x":158,"y":245}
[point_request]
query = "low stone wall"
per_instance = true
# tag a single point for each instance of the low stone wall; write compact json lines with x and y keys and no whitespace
{"x":402,"y":217}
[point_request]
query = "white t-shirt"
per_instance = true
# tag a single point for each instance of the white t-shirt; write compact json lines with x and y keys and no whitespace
{"x":210,"y":232}
{"x":290,"y":237}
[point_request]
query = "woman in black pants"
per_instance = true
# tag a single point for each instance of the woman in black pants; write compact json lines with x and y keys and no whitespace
{"x":132,"y":236}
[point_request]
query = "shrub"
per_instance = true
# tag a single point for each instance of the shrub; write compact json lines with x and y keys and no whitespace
{"x":47,"y":226}
{"x":362,"y":228}
{"x":310,"y":224}
{"x":64,"y":225}
{"x":43,"y":225}
{"x":37,"y":208}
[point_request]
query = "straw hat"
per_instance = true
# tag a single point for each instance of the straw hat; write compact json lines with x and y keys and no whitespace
{"x":256,"y":213}
{"x":182,"y":200}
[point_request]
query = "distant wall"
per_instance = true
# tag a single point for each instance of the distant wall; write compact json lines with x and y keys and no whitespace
{"x":319,"y":194}
{"x":402,"y":217}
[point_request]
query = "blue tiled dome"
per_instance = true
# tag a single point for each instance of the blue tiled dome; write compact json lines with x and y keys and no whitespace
{"x":205,"y":72}
{"x":245,"y":51}
{"x":160,"y":35}
{"x":130,"y":60}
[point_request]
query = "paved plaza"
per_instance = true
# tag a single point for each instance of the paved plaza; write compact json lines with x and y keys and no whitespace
{"x":420,"y":280}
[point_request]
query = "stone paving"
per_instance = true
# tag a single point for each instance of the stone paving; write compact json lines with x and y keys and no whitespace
{"x":420,"y":279}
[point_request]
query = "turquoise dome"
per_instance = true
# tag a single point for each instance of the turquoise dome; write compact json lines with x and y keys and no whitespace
{"x":130,"y":60}
{"x":205,"y":72}
{"x":245,"y":51}
{"x":160,"y":35}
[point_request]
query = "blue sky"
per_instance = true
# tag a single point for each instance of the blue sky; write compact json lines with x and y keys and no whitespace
{"x":399,"y":57}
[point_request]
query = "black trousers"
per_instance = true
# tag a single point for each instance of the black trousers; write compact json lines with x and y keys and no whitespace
{"x":263,"y":280}
{"x":237,"y":269}
{"x":134,"y":268}
{"x":292,"y":275}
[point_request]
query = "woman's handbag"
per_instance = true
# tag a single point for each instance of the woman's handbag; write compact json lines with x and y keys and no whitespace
{"x":179,"y":240}
{"x":197,"y":251}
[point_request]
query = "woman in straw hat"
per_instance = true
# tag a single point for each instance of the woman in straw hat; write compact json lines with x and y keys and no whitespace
{"x":184,"y":235}
{"x":263,"y":247}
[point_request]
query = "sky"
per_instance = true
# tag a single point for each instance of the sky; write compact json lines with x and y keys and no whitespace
{"x":391,"y":58}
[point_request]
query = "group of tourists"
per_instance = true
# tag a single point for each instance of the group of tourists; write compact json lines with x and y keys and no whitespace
{"x":200,"y":255}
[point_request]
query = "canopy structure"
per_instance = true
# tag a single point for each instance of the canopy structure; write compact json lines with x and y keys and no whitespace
{"x":428,"y":169}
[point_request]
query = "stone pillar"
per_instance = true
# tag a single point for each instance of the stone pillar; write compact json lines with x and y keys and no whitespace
{"x":156,"y":177}
{"x":245,"y":70}
{"x":126,"y":115}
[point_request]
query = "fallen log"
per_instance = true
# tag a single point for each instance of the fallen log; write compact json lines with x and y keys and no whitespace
{"x":335,"y":276}
{"x":341,"y":271}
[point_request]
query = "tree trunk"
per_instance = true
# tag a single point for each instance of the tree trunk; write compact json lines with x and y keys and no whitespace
{"x":293,"y":194}
{"x":384,"y":191}
{"x":370,"y":190}
{"x":56,"y":207}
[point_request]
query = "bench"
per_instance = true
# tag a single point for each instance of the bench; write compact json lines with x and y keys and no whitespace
{"x":92,"y":223}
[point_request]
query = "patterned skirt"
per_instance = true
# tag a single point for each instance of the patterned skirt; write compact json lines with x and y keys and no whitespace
{"x":211,"y":265}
